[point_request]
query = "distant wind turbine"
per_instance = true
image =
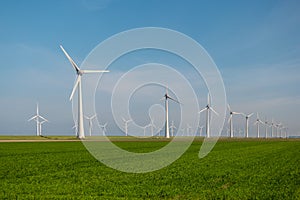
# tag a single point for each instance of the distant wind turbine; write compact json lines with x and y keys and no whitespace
{"x":77,"y":85}
{"x":103,"y":128}
{"x":152,"y":126}
{"x":230,"y":120}
{"x":272,"y":125}
{"x":172,"y":127}
{"x":126,"y":125}
{"x":166,"y":97}
{"x":188,"y":128}
{"x":208,"y":108}
{"x":39,"y":123}
{"x":200,"y":130}
{"x":90,"y":119}
{"x":257,"y":122}
{"x":266,"y":128}
{"x":247,"y":124}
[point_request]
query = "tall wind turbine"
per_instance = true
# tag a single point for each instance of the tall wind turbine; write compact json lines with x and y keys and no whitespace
{"x":231,"y":118}
{"x":37,"y":118}
{"x":166,"y":97}
{"x":208,"y":108}
{"x":257,"y":122}
{"x":90,"y":119}
{"x":247,"y":124}
{"x":77,"y":85}
{"x":126,"y":125}
{"x":172,"y":127}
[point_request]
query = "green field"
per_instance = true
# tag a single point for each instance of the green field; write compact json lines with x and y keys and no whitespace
{"x":235,"y":169}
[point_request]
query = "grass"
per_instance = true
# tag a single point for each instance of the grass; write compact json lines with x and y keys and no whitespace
{"x":235,"y":169}
{"x":4,"y":137}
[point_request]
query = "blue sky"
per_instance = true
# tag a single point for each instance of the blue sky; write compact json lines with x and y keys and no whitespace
{"x":255,"y":45}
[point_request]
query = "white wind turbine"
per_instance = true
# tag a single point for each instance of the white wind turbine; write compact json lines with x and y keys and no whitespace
{"x":126,"y":125}
{"x":247,"y":124}
{"x":272,"y":125}
{"x":77,"y":85}
{"x":208,"y":108}
{"x":257,"y":121}
{"x":90,"y":119}
{"x":188,"y":128}
{"x":200,"y":130}
{"x":103,"y":127}
{"x":172,"y":127}
{"x":39,"y":123}
{"x":230,"y":120}
{"x":266,"y":128}
{"x":152,"y":126}
{"x":166,"y":97}
{"x":277,"y":129}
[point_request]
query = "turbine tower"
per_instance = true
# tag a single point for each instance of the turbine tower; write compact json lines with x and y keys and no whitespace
{"x":77,"y":85}
{"x":126,"y":125}
{"x":230,"y":119}
{"x":166,"y":97}
{"x":39,"y":123}
{"x":208,"y":108}
{"x":90,"y":119}
{"x":257,"y":124}
{"x":247,"y":124}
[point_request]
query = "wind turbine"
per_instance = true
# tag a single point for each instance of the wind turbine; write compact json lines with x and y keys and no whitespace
{"x":231,"y":118}
{"x":37,"y":118}
{"x":200,"y":130}
{"x":75,"y":127}
{"x":90,"y":119}
{"x":126,"y":125}
{"x":208,"y":108}
{"x":77,"y":85}
{"x":172,"y":127}
{"x":247,"y":124}
{"x":152,"y":126}
{"x":103,"y":128}
{"x":272,"y":128}
{"x":257,"y":124}
{"x":166,"y":97}
{"x":266,"y":127}
{"x":188,"y":128}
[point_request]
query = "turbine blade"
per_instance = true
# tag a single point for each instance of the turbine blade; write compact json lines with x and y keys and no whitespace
{"x":228,"y":107}
{"x":43,"y":118}
{"x":214,"y":111}
{"x":250,"y":115}
{"x":93,"y":71}
{"x":75,"y":86}
{"x":34,"y":117}
{"x":173,"y":99}
{"x":70,"y":59}
{"x":208,"y":99}
{"x":202,"y":110}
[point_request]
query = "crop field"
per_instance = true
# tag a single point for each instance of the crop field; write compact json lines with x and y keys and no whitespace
{"x":234,"y":169}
